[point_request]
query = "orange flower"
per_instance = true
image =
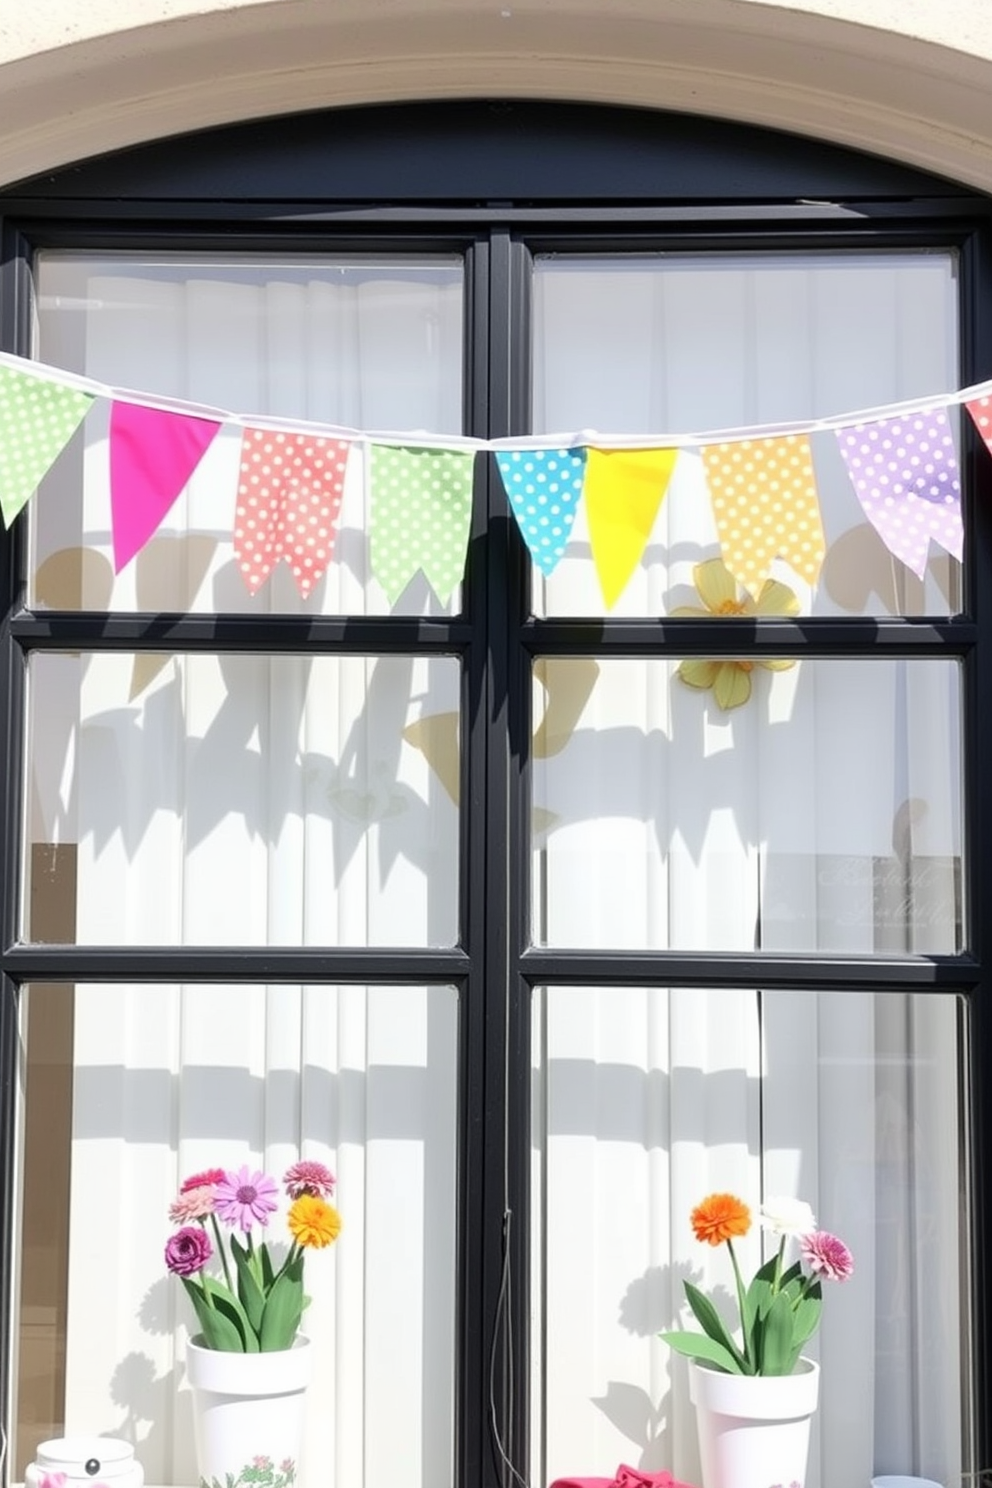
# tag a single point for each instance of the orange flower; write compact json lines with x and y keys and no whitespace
{"x":313,"y":1222}
{"x":720,"y":1217}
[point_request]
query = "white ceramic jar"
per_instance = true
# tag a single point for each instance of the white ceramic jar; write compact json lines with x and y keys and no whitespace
{"x":99,"y":1461}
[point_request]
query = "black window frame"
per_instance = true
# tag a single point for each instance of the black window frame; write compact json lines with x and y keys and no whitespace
{"x":785,"y":195}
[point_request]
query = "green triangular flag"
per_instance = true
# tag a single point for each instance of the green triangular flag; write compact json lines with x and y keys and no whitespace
{"x":421,"y":512}
{"x":37,"y":420}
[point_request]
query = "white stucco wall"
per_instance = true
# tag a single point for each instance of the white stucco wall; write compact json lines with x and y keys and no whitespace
{"x":907,"y":78}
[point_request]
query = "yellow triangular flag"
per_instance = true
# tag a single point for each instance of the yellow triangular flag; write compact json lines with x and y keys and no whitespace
{"x":623,"y":491}
{"x":766,"y":506}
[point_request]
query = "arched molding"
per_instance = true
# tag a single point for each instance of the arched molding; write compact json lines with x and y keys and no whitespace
{"x":75,"y":92}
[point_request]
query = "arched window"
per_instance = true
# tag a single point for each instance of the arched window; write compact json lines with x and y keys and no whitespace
{"x":538,"y":911}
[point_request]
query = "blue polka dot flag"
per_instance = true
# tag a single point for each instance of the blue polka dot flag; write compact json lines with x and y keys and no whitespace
{"x":544,"y":487}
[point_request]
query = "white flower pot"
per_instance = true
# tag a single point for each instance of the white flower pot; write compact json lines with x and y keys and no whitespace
{"x":248,"y":1414}
{"x":754,"y":1429}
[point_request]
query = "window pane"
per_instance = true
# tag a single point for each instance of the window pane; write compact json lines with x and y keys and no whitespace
{"x":129,"y":1090}
{"x":822,"y":813}
{"x":226,"y":800}
{"x":646,"y":1101}
{"x":369,"y":343}
{"x":679,"y":345}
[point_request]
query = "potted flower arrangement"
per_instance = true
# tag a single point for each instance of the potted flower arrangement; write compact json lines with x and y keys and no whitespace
{"x":756,"y":1372}
{"x":248,"y":1365}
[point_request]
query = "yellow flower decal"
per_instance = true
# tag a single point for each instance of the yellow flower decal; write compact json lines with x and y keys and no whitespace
{"x":719,"y":591}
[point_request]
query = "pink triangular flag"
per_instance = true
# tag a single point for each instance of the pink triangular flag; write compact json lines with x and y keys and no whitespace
{"x":153,"y":453}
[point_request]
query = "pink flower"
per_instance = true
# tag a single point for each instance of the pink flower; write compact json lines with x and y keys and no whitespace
{"x":53,"y":1480}
{"x":309,"y":1178}
{"x":203,"y":1180}
{"x":188,"y":1251}
{"x":193,"y":1203}
{"x":827,"y":1256}
{"x":245,"y":1198}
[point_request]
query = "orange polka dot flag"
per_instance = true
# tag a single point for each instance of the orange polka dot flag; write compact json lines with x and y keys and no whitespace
{"x":766,"y":506}
{"x":290,"y":487}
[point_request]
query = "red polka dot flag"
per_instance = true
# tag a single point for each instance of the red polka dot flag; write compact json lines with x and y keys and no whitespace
{"x":981,"y":413}
{"x":289,"y":504}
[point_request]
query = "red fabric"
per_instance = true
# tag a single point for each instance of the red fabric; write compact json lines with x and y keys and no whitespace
{"x":626,"y":1477}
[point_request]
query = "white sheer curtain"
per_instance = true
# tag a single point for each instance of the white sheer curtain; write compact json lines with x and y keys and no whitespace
{"x":170,"y":1080}
{"x":646,"y":1100}
{"x":824,"y":814}
{"x":363,"y":344}
{"x":307,"y":800}
{"x":260,"y":801}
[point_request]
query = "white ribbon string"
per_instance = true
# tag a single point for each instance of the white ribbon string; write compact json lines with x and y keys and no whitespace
{"x":422,"y":439}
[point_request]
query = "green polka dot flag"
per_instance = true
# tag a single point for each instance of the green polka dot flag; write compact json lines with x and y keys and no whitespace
{"x":421,"y":509}
{"x":37,"y":420}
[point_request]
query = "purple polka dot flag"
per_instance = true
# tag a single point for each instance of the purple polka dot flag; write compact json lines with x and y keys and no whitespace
{"x":905,"y":473}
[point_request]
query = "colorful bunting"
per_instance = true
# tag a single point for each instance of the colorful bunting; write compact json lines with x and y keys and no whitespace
{"x":38,"y":417}
{"x":421,"y":513}
{"x":289,"y":505}
{"x":901,"y":461}
{"x":766,"y":506}
{"x":543,"y":487}
{"x":153,"y":453}
{"x":623,"y":491}
{"x":905,"y":473}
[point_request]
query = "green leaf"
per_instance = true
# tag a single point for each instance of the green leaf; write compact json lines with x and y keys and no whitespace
{"x":268,"y":1274}
{"x":712,"y":1323}
{"x":776,"y":1337}
{"x":249,"y":1292}
{"x":283,"y":1310}
{"x":806,"y":1316}
{"x":219,"y":1332}
{"x":766,"y":1272}
{"x":760,"y":1297}
{"x":700,"y":1346}
{"x":226,"y":1302}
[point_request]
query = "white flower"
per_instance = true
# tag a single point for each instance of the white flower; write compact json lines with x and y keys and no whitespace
{"x":787,"y":1217}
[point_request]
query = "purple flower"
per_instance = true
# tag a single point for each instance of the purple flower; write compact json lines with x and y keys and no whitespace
{"x":827,"y":1256}
{"x":245,"y":1198}
{"x":188,"y":1251}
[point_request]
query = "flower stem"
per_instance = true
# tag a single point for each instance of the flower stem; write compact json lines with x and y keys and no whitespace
{"x":221,"y":1252}
{"x":293,"y":1251}
{"x":745,"y":1340}
{"x":778,"y":1267}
